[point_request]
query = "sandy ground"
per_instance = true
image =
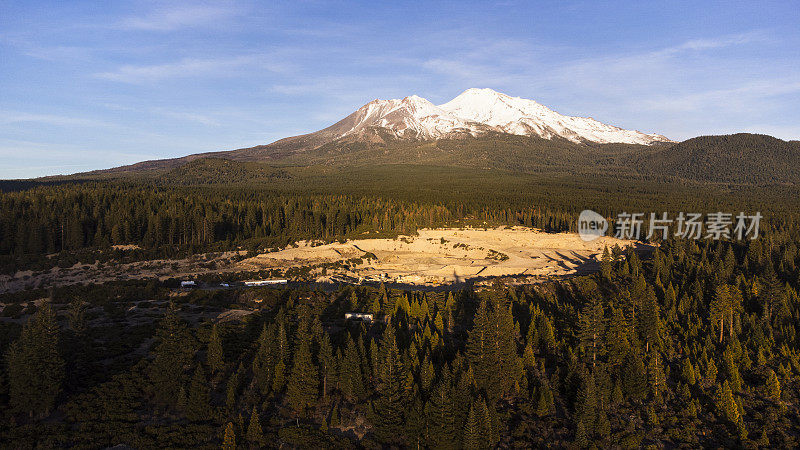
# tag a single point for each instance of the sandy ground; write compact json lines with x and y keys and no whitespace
{"x":434,"y":256}
{"x":447,"y":255}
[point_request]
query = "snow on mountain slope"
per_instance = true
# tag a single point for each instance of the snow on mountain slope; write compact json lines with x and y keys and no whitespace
{"x":411,"y":117}
{"x":477,"y":111}
{"x":516,"y":115}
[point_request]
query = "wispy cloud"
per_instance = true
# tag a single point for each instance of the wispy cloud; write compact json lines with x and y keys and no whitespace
{"x":174,"y":17}
{"x":186,"y":116}
{"x":190,"y":67}
{"x":13,"y":117}
{"x":736,"y":99}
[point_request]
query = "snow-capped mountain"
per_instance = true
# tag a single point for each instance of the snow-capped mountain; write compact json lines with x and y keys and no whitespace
{"x":477,"y":111}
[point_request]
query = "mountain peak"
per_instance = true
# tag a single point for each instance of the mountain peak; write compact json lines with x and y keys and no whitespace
{"x":477,"y":111}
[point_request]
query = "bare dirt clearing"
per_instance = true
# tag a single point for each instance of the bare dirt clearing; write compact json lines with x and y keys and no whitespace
{"x":432,"y":257}
{"x":438,"y":256}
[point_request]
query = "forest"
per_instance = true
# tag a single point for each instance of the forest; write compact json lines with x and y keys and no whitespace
{"x":695,"y":344}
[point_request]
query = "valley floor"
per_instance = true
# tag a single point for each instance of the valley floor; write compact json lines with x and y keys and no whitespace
{"x":432,"y":257}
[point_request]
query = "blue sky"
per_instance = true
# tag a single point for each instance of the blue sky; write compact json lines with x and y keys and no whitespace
{"x":87,"y":85}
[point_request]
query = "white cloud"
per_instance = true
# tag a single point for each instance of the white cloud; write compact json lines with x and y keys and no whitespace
{"x":190,"y":67}
{"x":12,"y":117}
{"x":186,"y":116}
{"x":182,"y":16}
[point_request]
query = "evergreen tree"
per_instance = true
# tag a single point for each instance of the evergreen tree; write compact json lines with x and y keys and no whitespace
{"x":591,"y":322}
{"x":732,"y":370}
{"x":617,"y":338}
{"x":350,"y":377}
{"x":581,"y":435}
{"x":773,"y":386}
{"x":726,"y":302}
{"x":605,"y":264}
{"x":35,"y":368}
{"x":634,"y":380}
{"x":263,"y":362}
{"x":649,"y":319}
{"x":472,"y":431}
{"x":229,"y":439}
{"x":173,"y":352}
{"x":655,"y":374}
{"x":303,"y":384}
{"x":687,"y":372}
{"x":389,"y":407}
{"x":214,"y":357}
{"x":544,"y":404}
{"x":198,"y":405}
{"x":232,"y":388}
{"x":586,"y":403}
{"x":77,"y":316}
{"x":254,"y":434}
{"x":326,"y":362}
{"x":440,"y":415}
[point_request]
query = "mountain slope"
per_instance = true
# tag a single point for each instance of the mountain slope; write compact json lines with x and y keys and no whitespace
{"x":514,"y":115}
{"x":735,"y":158}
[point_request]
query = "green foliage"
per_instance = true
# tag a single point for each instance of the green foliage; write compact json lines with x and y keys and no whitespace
{"x":35,"y":367}
{"x":255,"y":436}
{"x":303,"y":383}
{"x":198,"y":404}
{"x":229,"y":438}
{"x":173,"y":353}
{"x":214,"y":357}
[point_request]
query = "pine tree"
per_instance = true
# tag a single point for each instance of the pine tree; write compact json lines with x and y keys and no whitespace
{"x":440,"y":414}
{"x":649,"y":319}
{"x":634,"y":380}
{"x":232,"y":388}
{"x":586,"y":403}
{"x":655,"y":374}
{"x":726,"y":405}
{"x":263,"y":362}
{"x":491,"y":347}
{"x":229,"y":440}
{"x":254,"y":434}
{"x":687,"y":372}
{"x":773,"y":386}
{"x":198,"y":404}
{"x":488,"y":425}
{"x":591,"y":322}
{"x":545,"y":405}
{"x":581,"y":435}
{"x":351,"y":381}
{"x":303,"y":385}
{"x":732,"y":370}
{"x":725,"y":304}
{"x":473,"y":439}
{"x":605,"y":264}
{"x":482,"y":356}
{"x":35,"y":368}
{"x":214,"y":357}
{"x":173,"y":353}
{"x":617,"y":338}
{"x":280,"y":354}
{"x":389,"y":407}
{"x":326,"y":363}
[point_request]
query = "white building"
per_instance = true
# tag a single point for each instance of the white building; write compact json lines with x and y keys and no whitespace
{"x":264,"y":282}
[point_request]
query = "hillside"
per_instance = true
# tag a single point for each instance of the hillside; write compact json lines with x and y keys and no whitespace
{"x":735,"y":158}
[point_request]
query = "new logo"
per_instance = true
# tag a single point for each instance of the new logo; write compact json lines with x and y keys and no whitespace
{"x":591,"y":225}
